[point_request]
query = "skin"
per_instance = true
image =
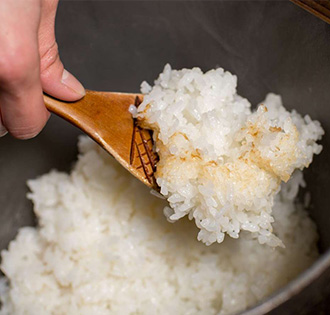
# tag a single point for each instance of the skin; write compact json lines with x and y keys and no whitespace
{"x":29,"y":65}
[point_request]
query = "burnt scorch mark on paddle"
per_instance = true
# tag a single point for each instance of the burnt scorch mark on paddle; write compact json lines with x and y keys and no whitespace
{"x":142,"y":155}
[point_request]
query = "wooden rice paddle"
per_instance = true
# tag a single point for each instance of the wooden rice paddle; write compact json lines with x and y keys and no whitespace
{"x":104,"y":116}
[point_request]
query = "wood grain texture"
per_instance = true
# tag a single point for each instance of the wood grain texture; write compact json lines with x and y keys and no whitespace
{"x":104,"y":116}
{"x":320,"y":8}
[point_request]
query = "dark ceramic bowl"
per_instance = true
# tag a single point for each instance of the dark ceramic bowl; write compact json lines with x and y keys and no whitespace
{"x":113,"y":46}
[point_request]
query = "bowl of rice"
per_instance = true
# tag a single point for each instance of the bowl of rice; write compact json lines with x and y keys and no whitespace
{"x":236,"y":96}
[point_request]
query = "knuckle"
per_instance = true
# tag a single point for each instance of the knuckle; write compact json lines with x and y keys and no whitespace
{"x":49,"y":59}
{"x":25,"y":132}
{"x":28,"y":126}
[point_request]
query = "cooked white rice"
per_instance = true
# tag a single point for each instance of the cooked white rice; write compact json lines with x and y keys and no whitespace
{"x":221,"y":163}
{"x":103,"y":246}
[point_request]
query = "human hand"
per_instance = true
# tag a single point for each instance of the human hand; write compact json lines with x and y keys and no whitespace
{"x":29,"y":65}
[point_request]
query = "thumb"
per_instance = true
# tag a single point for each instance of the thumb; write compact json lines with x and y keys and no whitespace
{"x":55,"y":80}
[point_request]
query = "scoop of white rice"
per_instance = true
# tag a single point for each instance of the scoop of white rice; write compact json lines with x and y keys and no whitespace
{"x":103,"y":246}
{"x":220,"y":162}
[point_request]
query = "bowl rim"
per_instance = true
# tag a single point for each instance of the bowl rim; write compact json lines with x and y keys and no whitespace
{"x":293,"y":288}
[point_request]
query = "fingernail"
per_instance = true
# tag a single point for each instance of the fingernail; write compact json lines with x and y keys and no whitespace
{"x":71,"y":82}
{"x":3,"y":130}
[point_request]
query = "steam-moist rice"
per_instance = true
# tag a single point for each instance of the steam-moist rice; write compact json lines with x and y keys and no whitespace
{"x":221,"y":163}
{"x":103,"y":246}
